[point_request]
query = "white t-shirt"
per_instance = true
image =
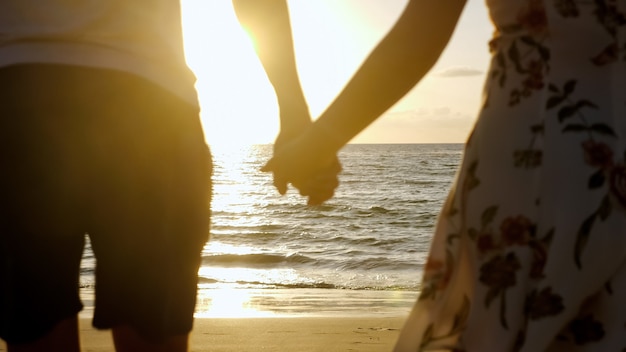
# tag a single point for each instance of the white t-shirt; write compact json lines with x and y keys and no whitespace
{"x":143,"y":37}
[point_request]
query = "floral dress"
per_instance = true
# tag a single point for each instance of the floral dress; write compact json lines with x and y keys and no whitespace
{"x":529,"y":252}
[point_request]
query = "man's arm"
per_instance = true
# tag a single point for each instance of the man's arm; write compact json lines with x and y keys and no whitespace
{"x":267,"y":23}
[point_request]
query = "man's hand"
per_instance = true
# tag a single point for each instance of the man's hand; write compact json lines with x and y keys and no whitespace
{"x":297,"y":162}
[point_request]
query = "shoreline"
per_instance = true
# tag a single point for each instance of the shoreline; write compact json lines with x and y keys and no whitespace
{"x":302,"y":334}
{"x":228,"y":302}
{"x":239,"y":319}
{"x":325,"y":334}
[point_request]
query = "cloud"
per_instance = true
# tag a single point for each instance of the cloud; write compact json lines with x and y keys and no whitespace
{"x":437,"y":125}
{"x":459,"y":71}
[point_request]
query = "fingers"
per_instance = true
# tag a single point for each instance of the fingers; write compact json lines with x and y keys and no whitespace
{"x":320,"y":196}
{"x":321,"y":187}
{"x":318,"y":187}
{"x":279,"y":182}
{"x":281,"y":185}
{"x":268,"y":167}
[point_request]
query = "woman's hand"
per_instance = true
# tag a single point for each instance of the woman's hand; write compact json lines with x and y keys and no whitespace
{"x":307,"y":167}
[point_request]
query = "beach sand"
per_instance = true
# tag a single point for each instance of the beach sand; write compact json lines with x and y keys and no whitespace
{"x":274,"y":334}
{"x":298,"y":320}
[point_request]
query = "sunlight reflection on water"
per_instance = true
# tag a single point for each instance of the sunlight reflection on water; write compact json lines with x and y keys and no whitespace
{"x":361,"y":253}
{"x":249,"y":303}
{"x":230,"y":302}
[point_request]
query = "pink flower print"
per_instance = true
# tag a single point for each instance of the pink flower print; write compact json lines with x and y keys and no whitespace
{"x":516,"y":230}
{"x":597,"y":154}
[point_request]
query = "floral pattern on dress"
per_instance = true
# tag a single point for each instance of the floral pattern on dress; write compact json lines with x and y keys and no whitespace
{"x":530,"y":248}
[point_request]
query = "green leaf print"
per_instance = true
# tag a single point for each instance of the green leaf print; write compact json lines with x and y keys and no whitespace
{"x":554,"y":101}
{"x":582,"y":238}
{"x":574,"y":128}
{"x":597,"y":179}
{"x":488,"y":215}
{"x":567,"y":112}
{"x":603,"y":129}
{"x":461,"y":317}
{"x":458,"y":325}
{"x":569,"y":87}
{"x":514,"y":55}
{"x":553,"y":88}
{"x":605,"y":208}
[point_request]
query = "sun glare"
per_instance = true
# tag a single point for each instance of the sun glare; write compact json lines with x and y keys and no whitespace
{"x":223,"y":297}
{"x":331,"y":38}
{"x":238,"y":103}
{"x":228,"y":303}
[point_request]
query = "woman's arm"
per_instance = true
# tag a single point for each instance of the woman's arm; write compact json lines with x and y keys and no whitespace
{"x":394,"y":67}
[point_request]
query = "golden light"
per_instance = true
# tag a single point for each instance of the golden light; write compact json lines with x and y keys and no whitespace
{"x":236,"y":299}
{"x":332,"y":38}
{"x":227,"y":303}
{"x":238,"y":104}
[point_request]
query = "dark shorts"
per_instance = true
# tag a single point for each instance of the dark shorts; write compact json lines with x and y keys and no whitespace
{"x":108,"y":154}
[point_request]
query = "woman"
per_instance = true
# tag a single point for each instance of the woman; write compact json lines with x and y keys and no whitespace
{"x":529,"y":250}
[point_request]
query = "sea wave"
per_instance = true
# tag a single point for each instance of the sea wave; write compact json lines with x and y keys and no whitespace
{"x":255,"y":259}
{"x":374,"y":233}
{"x":207,"y":283}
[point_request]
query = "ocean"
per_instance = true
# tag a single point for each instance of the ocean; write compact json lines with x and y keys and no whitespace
{"x":274,"y":254}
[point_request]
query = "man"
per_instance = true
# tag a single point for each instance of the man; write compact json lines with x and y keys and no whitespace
{"x":100,"y":134}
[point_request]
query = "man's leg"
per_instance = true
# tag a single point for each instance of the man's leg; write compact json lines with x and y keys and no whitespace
{"x":150,"y":198}
{"x":128,"y":340}
{"x":41,"y":234}
{"x":63,"y":337}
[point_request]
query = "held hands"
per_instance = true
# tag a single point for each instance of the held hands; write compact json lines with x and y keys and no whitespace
{"x":299,"y":162}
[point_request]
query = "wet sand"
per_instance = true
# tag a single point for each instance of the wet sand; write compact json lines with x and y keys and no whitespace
{"x":282,"y":320}
{"x":276,"y":334}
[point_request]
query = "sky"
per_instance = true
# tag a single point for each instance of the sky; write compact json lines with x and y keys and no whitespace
{"x":331,"y":39}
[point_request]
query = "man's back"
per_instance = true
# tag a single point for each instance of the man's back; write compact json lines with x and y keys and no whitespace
{"x":139,"y":37}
